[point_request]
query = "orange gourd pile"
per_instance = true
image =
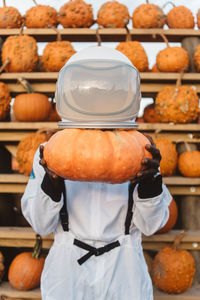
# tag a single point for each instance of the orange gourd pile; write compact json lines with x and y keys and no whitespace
{"x":26,"y":268}
{"x":96,"y":155}
{"x":113,"y":14}
{"x":76,"y":14}
{"x":173,"y":269}
{"x":169,"y":155}
{"x":4,"y":101}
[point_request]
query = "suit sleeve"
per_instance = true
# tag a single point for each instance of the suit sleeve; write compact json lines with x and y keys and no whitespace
{"x":151,"y":214}
{"x":38,"y":207}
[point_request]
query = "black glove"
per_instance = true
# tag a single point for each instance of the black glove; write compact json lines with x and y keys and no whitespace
{"x":149,"y":179}
{"x":52,"y":184}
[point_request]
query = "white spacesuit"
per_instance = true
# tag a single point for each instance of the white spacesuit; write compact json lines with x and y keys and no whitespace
{"x":97,"y":252}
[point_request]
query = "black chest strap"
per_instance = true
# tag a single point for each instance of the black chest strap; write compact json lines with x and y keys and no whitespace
{"x":129,"y":214}
{"x":64,"y":218}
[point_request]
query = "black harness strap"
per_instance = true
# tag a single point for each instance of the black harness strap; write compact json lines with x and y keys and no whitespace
{"x":64,"y":213}
{"x":129,"y":214}
{"x":94,"y":251}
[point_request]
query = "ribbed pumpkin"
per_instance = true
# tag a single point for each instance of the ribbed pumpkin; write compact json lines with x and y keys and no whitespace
{"x":113,"y":14}
{"x":150,"y":115}
{"x":155,"y":69}
{"x":169,"y":155}
{"x":10,"y":17}
{"x":189,"y":163}
{"x":180,"y":17}
{"x":31,"y":107}
{"x":40,"y":16}
{"x":2,"y":268}
{"x":172,"y":59}
{"x":76,"y":14}
{"x":4,"y":101}
{"x":96,"y":155}
{"x":197,"y":58}
{"x":136,"y":53}
{"x":198,"y":18}
{"x":173,"y":269}
{"x":26,"y":268}
{"x":177,"y":104}
{"x":26,"y":150}
{"x":148,"y":16}
{"x":173,"y":215}
{"x":56,"y":54}
{"x":21,"y":51}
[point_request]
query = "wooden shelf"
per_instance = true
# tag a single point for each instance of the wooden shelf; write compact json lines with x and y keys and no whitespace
{"x":107,"y":34}
{"x":15,"y":131}
{"x":25,"y":237}
{"x":44,"y":82}
{"x":177,"y":185}
{"x":10,"y":293}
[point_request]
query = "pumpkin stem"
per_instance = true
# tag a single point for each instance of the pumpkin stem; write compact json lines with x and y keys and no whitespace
{"x":59,"y":38}
{"x":178,"y":82}
{"x":4,"y":3}
{"x":35,"y":2}
{"x":128,"y":34}
{"x":169,"y":2}
{"x":26,"y":85}
{"x":178,"y":240}
{"x":6,"y":62}
{"x":21,"y":31}
{"x":163,"y":37}
{"x":38,"y":247}
{"x":98,"y":36}
{"x":147,"y":1}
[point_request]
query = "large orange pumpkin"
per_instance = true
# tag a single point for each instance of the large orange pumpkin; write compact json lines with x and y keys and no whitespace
{"x":173,"y":215}
{"x":96,"y":155}
{"x":169,"y":155}
{"x":4,"y":101}
{"x":189,"y":163}
{"x":26,"y":268}
{"x":10,"y":17}
{"x":113,"y":14}
{"x":173,"y":269}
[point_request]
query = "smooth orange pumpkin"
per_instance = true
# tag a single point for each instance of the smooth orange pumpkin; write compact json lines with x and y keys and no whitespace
{"x":173,"y":215}
{"x":31,"y":107}
{"x":189,"y":163}
{"x":96,"y":155}
{"x":26,"y":268}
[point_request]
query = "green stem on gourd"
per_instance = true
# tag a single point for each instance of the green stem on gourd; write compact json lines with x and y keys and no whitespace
{"x":59,"y":38}
{"x":178,"y":240}
{"x":128,"y":35}
{"x":26,"y":85}
{"x":6,"y":62}
{"x":38,"y":247}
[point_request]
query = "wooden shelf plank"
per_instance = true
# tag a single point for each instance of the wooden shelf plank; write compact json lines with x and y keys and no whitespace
{"x":9,"y":292}
{"x":107,"y":34}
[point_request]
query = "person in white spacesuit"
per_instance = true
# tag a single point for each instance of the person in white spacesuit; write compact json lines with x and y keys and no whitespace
{"x":97,"y":252}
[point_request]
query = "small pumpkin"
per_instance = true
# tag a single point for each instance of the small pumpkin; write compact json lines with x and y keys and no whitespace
{"x":172,"y":59}
{"x":150,"y":115}
{"x":136,"y":53}
{"x":180,"y":17}
{"x":173,"y":215}
{"x":10,"y":17}
{"x":40,"y":16}
{"x":26,"y":268}
{"x":19,"y":54}
{"x":53,"y":115}
{"x":76,"y":14}
{"x":31,"y":107}
{"x":189,"y":163}
{"x":26,"y":150}
{"x":96,"y":155}
{"x":198,"y":18}
{"x":148,"y":16}
{"x":168,"y":163}
{"x":56,"y":54}
{"x":113,"y":14}
{"x":155,"y":69}
{"x":197,"y":58}
{"x":4,"y":101}
{"x":173,"y":269}
{"x":2,"y":267}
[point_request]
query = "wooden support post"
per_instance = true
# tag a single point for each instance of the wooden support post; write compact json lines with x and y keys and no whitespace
{"x":190,"y":44}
